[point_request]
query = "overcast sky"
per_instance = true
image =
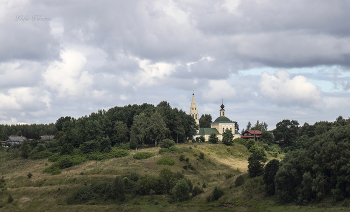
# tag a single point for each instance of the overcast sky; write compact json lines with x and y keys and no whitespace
{"x":268,"y":60}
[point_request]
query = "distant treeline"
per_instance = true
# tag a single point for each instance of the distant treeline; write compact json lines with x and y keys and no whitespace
{"x":138,"y":124}
{"x":32,"y":131}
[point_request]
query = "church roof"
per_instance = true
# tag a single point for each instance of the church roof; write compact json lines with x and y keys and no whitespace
{"x":208,"y":131}
{"x":222,"y":119}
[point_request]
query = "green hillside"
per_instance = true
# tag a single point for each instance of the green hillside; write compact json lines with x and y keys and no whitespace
{"x":220,"y":166}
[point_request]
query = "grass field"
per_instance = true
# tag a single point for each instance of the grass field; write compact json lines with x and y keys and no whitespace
{"x":46,"y":192}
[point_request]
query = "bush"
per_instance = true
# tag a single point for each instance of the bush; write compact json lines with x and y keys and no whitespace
{"x":64,"y":162}
{"x":182,"y":157}
{"x":125,"y":146}
{"x":100,"y":190}
{"x":228,"y":176}
{"x":250,"y":143}
{"x":118,"y":153}
{"x":9,"y":199}
{"x":173,"y":149}
{"x":271,"y":169}
{"x":201,"y":156}
{"x":337,"y":194}
{"x":117,"y":189}
{"x":29,"y":175}
{"x":2,"y":184}
{"x":213,"y":138}
{"x":166,"y":161}
{"x":196,"y":191}
{"x":266,"y":147}
{"x":239,"y":181}
{"x":256,"y":163}
{"x":142,"y":155}
{"x":240,"y":141}
{"x":204,"y":185}
{"x":189,"y":165}
{"x":24,"y":149}
{"x":105,"y":144}
{"x":216,"y":194}
{"x":54,"y":158}
{"x":166,"y":143}
{"x":146,"y":183}
{"x":90,"y":146}
{"x":52,"y":169}
{"x":181,"y":191}
{"x":170,"y":149}
{"x":41,"y":155}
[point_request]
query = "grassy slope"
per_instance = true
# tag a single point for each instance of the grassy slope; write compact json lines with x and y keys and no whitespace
{"x":45,"y":192}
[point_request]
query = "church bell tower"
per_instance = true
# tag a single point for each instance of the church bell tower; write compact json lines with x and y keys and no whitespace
{"x":222,"y":111}
{"x":193,"y":110}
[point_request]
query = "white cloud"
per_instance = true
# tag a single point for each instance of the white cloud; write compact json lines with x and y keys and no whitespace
{"x":67,"y":77}
{"x":150,"y":74}
{"x":8,"y":102}
{"x":219,"y":89}
{"x":281,"y":89}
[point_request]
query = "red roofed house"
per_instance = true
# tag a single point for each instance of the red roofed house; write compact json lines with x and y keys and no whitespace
{"x":251,"y":134}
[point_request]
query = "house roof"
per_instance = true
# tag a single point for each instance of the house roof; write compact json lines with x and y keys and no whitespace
{"x":16,"y":138}
{"x":222,"y":119}
{"x":47,"y":137}
{"x":256,"y":132}
{"x":208,"y":131}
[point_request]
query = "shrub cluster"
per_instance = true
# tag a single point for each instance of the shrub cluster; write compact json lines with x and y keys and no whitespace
{"x":170,"y":149}
{"x":165,"y":183}
{"x":41,"y":155}
{"x":166,"y":161}
{"x":166,"y":143}
{"x":142,"y":155}
{"x":63,"y":162}
{"x":239,"y":181}
{"x":215,"y":194}
{"x":196,"y":191}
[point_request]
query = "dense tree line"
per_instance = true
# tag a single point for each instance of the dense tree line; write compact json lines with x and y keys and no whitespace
{"x":30,"y":131}
{"x":133,"y":124}
{"x":315,"y":167}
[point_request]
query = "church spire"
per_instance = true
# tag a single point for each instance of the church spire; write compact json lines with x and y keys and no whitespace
{"x":222,"y":111}
{"x":194,"y":110}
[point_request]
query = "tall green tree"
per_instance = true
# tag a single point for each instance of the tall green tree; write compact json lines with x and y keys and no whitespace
{"x":286,"y":130}
{"x":24,"y":149}
{"x":271,"y":169}
{"x":249,"y":126}
{"x":213,"y":138}
{"x":121,"y":133}
{"x":227,"y":137}
{"x":256,"y":162}
{"x":266,"y":137}
{"x":62,"y":120}
{"x":139,"y":130}
{"x":118,"y":189}
{"x":262,"y":126}
{"x":205,"y":121}
{"x":156,"y":128}
{"x":178,"y":128}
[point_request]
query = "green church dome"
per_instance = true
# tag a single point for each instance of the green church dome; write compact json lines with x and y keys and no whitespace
{"x":222,"y":119}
